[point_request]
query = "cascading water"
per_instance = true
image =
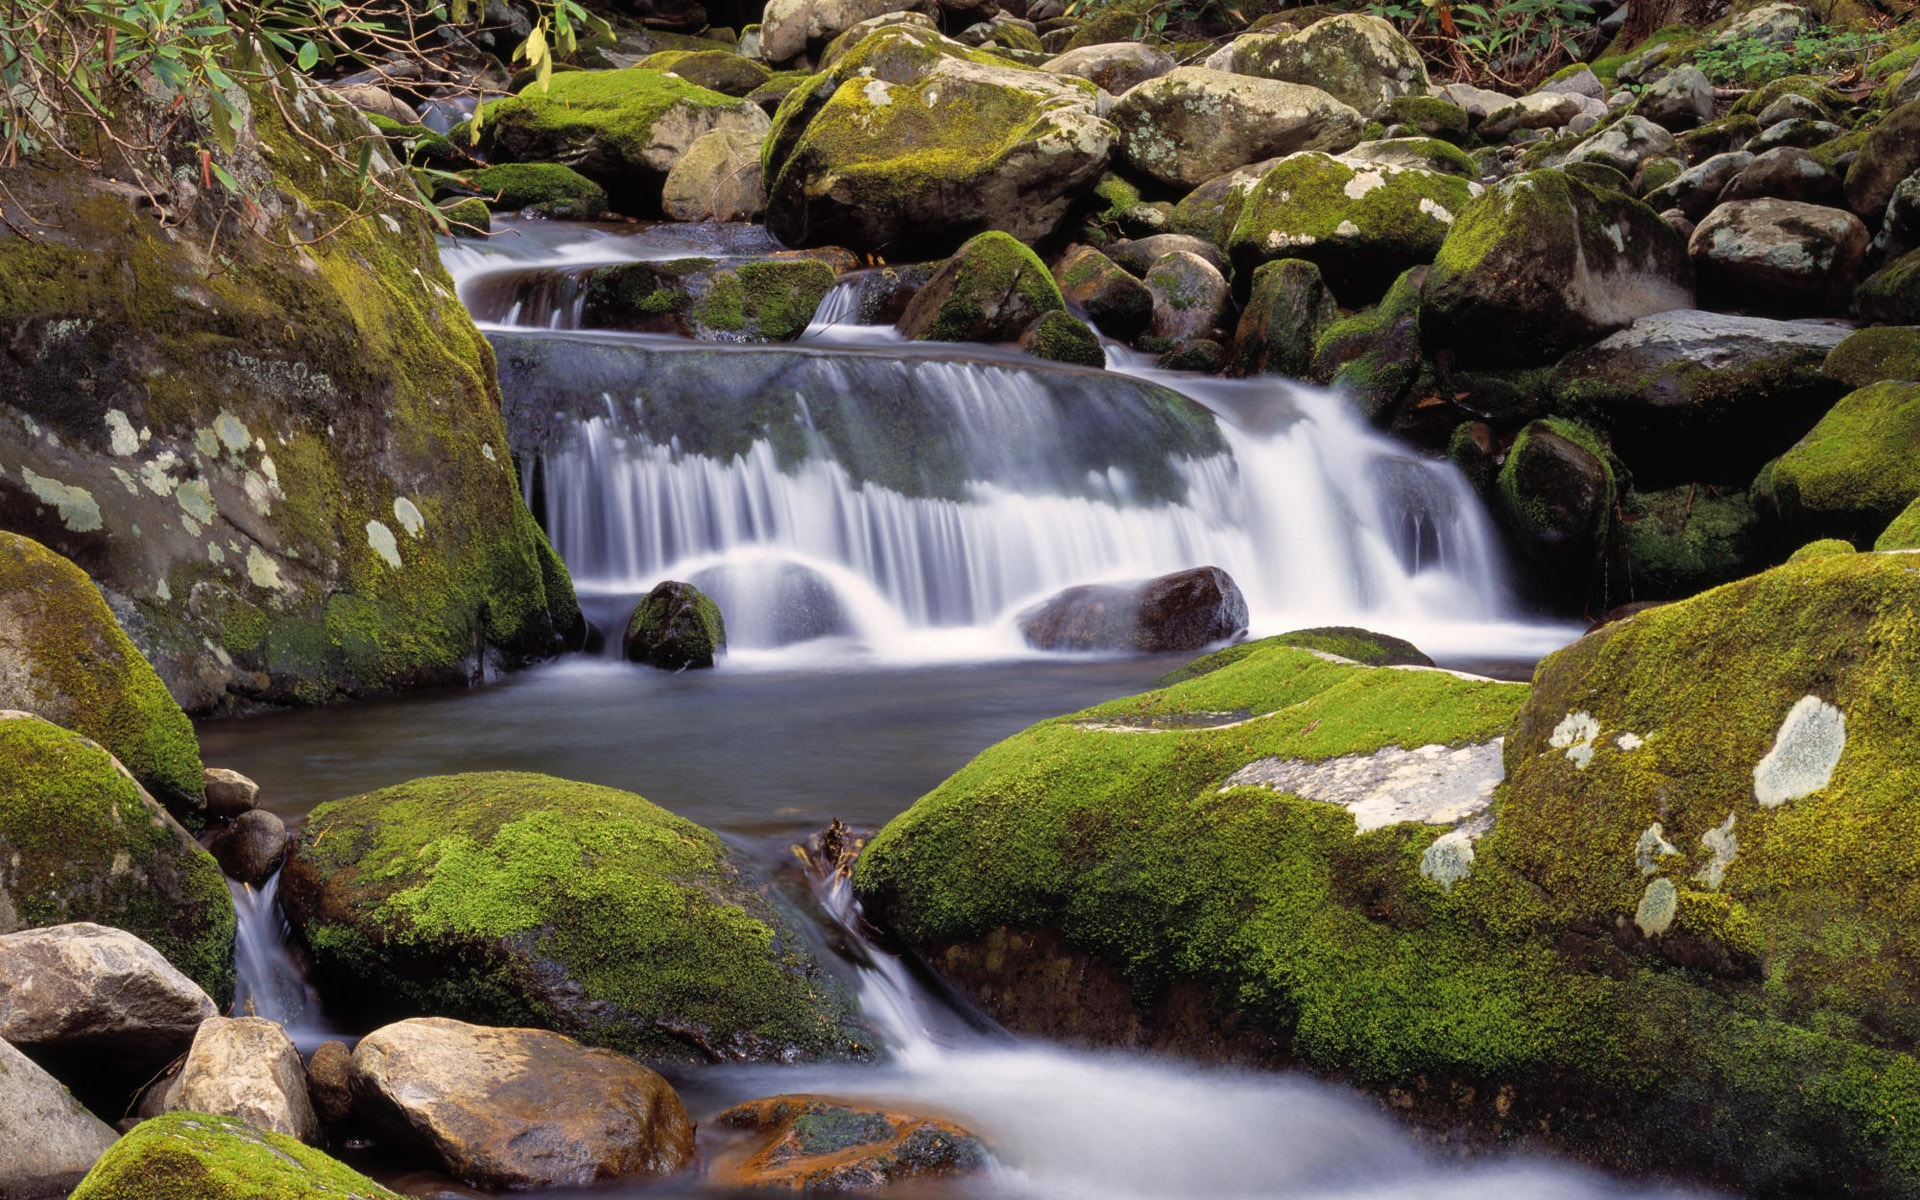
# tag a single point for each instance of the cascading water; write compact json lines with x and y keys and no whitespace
{"x":268,"y":980}
{"x":913,"y":499}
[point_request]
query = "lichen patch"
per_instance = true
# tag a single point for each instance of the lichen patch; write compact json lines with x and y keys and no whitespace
{"x":1805,"y":752}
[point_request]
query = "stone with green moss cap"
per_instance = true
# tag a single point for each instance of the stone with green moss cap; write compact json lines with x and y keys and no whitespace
{"x":1061,"y":337}
{"x":87,"y":843}
{"x":1113,"y":299}
{"x":1682,"y":540}
{"x":1856,"y":470}
{"x":622,"y":129}
{"x":715,"y":300}
{"x":194,"y":1156}
{"x":991,"y":290}
{"x":525,"y":900}
{"x":720,"y":71}
{"x":544,"y":189}
{"x":64,"y":657}
{"x":1193,"y":124}
{"x":1287,"y":311}
{"x":1903,"y":533}
{"x":1359,"y":58}
{"x":1892,"y":293}
{"x":913,"y":143}
{"x":675,"y":627}
{"x":1373,"y":356}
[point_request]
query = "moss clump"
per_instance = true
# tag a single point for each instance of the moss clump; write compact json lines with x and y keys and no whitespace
{"x":1685,"y":539}
{"x":418,"y":145}
{"x":545,"y":189}
{"x":469,"y":216}
{"x":1823,"y":548}
{"x":989,"y":291}
{"x":1556,"y":494}
{"x":767,"y":301}
{"x":196,"y":1156}
{"x":1112,"y":25}
{"x":69,"y":661}
{"x":1374,"y":356}
{"x":1892,"y":294}
{"x":84,"y":843}
{"x":524,"y":900}
{"x":1807,"y":87}
{"x":1061,"y":337}
{"x":676,"y":627}
{"x":716,"y":70}
{"x":1362,"y":646}
{"x":1432,"y":116}
{"x":1858,"y":467}
{"x":1904,"y":531}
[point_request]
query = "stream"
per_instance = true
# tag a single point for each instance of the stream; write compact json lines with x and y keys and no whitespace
{"x":874,"y":651}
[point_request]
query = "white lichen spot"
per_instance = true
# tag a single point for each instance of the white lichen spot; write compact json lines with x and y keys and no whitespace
{"x":259,"y":492}
{"x":263,"y":570}
{"x":1618,"y":237}
{"x":392,"y":225}
{"x":382,"y":540}
{"x":207,"y":442}
{"x":1804,"y":753}
{"x":122,"y":439}
{"x":1629,"y":742}
{"x":1347,"y":229}
{"x":196,"y":500}
{"x":231,"y":432}
{"x":126,"y":481}
{"x":1449,"y":859}
{"x":215,"y":554}
{"x":77,"y":508}
{"x":878,"y":93}
{"x":163,"y":591}
{"x":271,"y":472}
{"x":1364,"y":182}
{"x":486,"y":451}
{"x":1659,"y":905}
{"x":191,"y":526}
{"x":1436,"y":210}
{"x":1576,"y":734}
{"x":405,"y":512}
{"x":158,"y":474}
{"x":1652,"y":844}
{"x":1723,"y":845}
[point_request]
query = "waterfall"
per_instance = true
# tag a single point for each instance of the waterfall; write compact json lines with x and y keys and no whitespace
{"x":268,"y":980}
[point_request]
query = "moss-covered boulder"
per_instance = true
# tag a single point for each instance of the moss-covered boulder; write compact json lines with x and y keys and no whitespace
{"x":1683,"y":540}
{"x":541,"y":188}
{"x":913,"y":143}
{"x":283,"y":464}
{"x":713,"y":300}
{"x":1870,"y":355}
{"x":193,"y":1156}
{"x":1541,"y":264}
{"x":84,"y":842}
{"x":1892,"y":294}
{"x":1903,"y":533}
{"x":1194,"y":124}
{"x":675,"y":627}
{"x":64,"y":657}
{"x":1061,"y":337}
{"x":1113,"y":300}
{"x":1429,"y":116}
{"x":991,"y":290}
{"x":1363,"y":224}
{"x":1890,"y":155}
{"x":1359,"y":58}
{"x":1374,"y":356}
{"x":1822,"y":548}
{"x":1287,"y":311}
{"x":720,"y":71}
{"x":1209,"y":211}
{"x":467,"y":217}
{"x":1191,"y":298}
{"x":622,"y":129}
{"x":522,"y":900}
{"x":1362,"y":646}
{"x":1856,"y":470}
{"x":1556,"y":495}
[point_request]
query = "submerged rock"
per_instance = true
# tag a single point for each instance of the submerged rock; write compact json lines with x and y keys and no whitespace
{"x":713,"y":300}
{"x":517,"y":1108}
{"x":526,"y":900}
{"x":1119,"y":304}
{"x":818,"y":1143}
{"x":199,"y":1154}
{"x":1182,"y":611}
{"x":1288,"y":310}
{"x":676,"y":627}
{"x":51,"y":1141}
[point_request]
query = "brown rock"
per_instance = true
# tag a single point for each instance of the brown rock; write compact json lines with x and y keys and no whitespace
{"x":229,"y":793}
{"x":818,"y":1143}
{"x":1182,"y":611}
{"x":330,"y":1083}
{"x":250,"y":850}
{"x":85,"y":991}
{"x":247,"y":1068}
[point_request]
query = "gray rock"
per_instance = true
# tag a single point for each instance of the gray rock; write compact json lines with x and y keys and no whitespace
{"x":85,"y":990}
{"x":788,"y":27}
{"x":517,"y":1108}
{"x":1118,"y":304}
{"x":1696,"y":190}
{"x":1190,"y":296}
{"x":1430,"y":785}
{"x":251,"y":849}
{"x":719,"y":178}
{"x":246,"y":1068}
{"x":1891,"y":154}
{"x":1776,"y":24}
{"x":229,"y":793}
{"x":1183,"y":611}
{"x":1785,"y":173}
{"x":1114,"y":67}
{"x":1909,"y":89}
{"x":1139,"y":254}
{"x":1192,"y":125}
{"x":1359,"y":58}
{"x":1794,"y":131}
{"x":1778,"y":255}
{"x":1420,"y":153}
{"x":48,"y":1142}
{"x":1539,"y":110}
{"x":1580,"y":82}
{"x":1626,"y":144}
{"x":1682,"y":100}
{"x":1479,"y":102}
{"x":378,"y":101}
{"x":1789,"y":107}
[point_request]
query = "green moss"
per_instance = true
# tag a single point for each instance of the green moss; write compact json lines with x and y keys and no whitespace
{"x":1061,"y":337}
{"x":716,"y":70}
{"x":86,"y":845}
{"x":616,"y":109}
{"x":1360,"y":645}
{"x":1857,"y":468}
{"x":1686,"y":539}
{"x":468,"y":216}
{"x":549,"y":189}
{"x":1115,"y":24}
{"x":1432,"y":116}
{"x":418,"y":145}
{"x":1881,"y":352}
{"x":1717,"y":137}
{"x":1892,"y":294}
{"x":1904,"y":531}
{"x":196,"y":1156}
{"x":1014,"y":37}
{"x":1531,"y":505}
{"x":1821,"y":549}
{"x":993,"y":274}
{"x":675,"y":627}
{"x":72,"y":664}
{"x":1807,"y":87}
{"x":521,"y":899}
{"x":1374,"y":356}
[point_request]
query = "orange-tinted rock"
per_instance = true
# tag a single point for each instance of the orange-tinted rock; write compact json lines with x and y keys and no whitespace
{"x":818,"y":1143}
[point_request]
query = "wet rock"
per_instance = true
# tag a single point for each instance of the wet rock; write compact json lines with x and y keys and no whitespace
{"x":1778,"y":255}
{"x":200,"y":1154}
{"x":517,"y":1108}
{"x":251,"y":848}
{"x":1139,"y":254}
{"x":1696,"y":190}
{"x":1785,"y":174}
{"x":1790,"y":107}
{"x":1680,"y":100}
{"x":64,"y":657}
{"x":1208,"y":212}
{"x":1538,"y":110}
{"x":717,"y":179}
{"x":1287,"y":311}
{"x":676,"y":627}
{"x":87,"y":993}
{"x":51,"y":1141}
{"x":713,"y":300}
{"x":1059,"y":337}
{"x":1542,"y":264}
{"x":659,"y":941}
{"x":246,"y":1068}
{"x":1853,"y":472}
{"x":1116,"y":302}
{"x":1192,"y":125}
{"x":789,"y":27}
{"x":1625,"y":144}
{"x":229,"y":793}
{"x":775,"y":602}
{"x":818,"y":1143}
{"x":1556,"y":496}
{"x":720,"y":71}
{"x":1190,"y":297}
{"x":1891,"y":154}
{"x":876,"y":167}
{"x":1679,"y":541}
{"x":1360,"y":59}
{"x":330,"y":1083}
{"x":1182,"y":611}
{"x":1114,"y":67}
{"x":991,"y":290}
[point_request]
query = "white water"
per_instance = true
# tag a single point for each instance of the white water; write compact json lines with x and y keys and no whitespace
{"x":268,"y":980}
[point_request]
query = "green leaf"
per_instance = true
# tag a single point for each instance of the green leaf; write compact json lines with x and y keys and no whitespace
{"x":308,"y":58}
{"x":226,"y":181}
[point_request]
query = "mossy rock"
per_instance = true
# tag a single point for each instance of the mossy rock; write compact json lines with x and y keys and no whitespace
{"x":1118,"y":24}
{"x":544,"y":189}
{"x":1062,"y":337}
{"x":1211,"y":210}
{"x":1810,"y":87}
{"x":622,"y":129}
{"x":1555,"y":495}
{"x":1685,"y":539}
{"x":64,"y":657}
{"x":1285,"y":315}
{"x":1362,"y":646}
{"x":1892,"y":294}
{"x":772,"y":300}
{"x":716,"y":70}
{"x":1432,"y":116}
{"x":1868,"y":356}
{"x":511,"y":899}
{"x":1857,"y":469}
{"x":86,"y":843}
{"x":1374,"y":356}
{"x":1823,"y":548}
{"x":675,"y":627}
{"x":420,"y":146}
{"x":470,"y":216}
{"x":1717,"y":137}
{"x":198,"y":1156}
{"x":991,"y":290}
{"x":1904,"y":531}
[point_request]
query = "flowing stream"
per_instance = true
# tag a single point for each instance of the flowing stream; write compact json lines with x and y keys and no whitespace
{"x":871,"y":600}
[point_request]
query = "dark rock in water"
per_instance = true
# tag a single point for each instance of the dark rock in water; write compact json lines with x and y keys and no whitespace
{"x":774,"y":604}
{"x":711,"y":299}
{"x":818,"y":1143}
{"x":1288,"y":310}
{"x":1182,"y":611}
{"x":991,"y":290}
{"x":675,"y":628}
{"x":517,"y":1108}
{"x":1063,"y":338}
{"x":1556,"y":495}
{"x":1119,"y":304}
{"x":251,"y":848}
{"x":330,"y":1082}
{"x":229,"y":793}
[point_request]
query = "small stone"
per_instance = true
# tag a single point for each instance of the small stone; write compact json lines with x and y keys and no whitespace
{"x":229,"y":793}
{"x":330,"y":1083}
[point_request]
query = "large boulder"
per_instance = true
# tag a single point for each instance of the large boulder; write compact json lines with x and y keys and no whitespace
{"x":789,"y":28}
{"x":1556,"y":494}
{"x":1778,"y":255}
{"x":246,"y":1068}
{"x":717,"y":179}
{"x":1360,"y":59}
{"x":1879,"y":352}
{"x":1903,"y":533}
{"x":517,"y":1108}
{"x":200,"y":1154}
{"x":64,"y":657}
{"x":84,"y":843}
{"x":716,"y":70}
{"x":1678,"y":100}
{"x":676,"y":627}
{"x":1113,"y":67}
{"x":1855,"y":470}
{"x":1193,"y":124}
{"x":1625,"y":145}
{"x":1543,"y":263}
{"x":51,"y":1141}
{"x":989,"y":291}
{"x":1891,"y":154}
{"x":291,"y":481}
{"x":526,"y":900}
{"x":1363,"y":224}
{"x":1287,"y":311}
{"x":818,"y":1143}
{"x":1182,"y":611}
{"x":622,"y":129}
{"x":912,"y":143}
